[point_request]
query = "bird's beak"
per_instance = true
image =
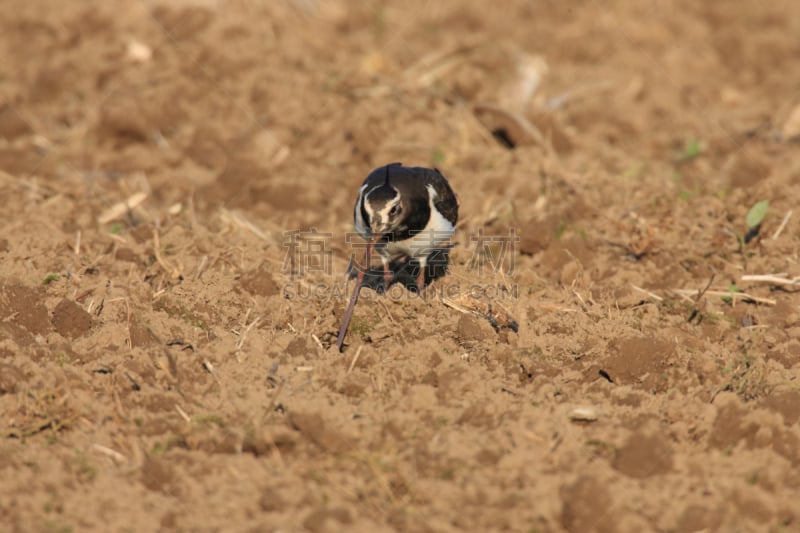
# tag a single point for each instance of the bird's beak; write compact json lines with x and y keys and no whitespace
{"x":371,"y":246}
{"x":380,"y":231}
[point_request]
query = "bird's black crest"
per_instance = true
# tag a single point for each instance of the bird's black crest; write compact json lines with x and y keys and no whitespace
{"x":385,"y":192}
{"x":389,"y":171}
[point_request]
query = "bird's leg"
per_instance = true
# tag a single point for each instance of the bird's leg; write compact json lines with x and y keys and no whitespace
{"x":388,"y":275}
{"x":421,"y":275}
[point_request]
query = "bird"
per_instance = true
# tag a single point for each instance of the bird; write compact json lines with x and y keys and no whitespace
{"x":408,"y":212}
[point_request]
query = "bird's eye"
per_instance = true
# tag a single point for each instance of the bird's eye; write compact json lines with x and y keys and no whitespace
{"x":394,"y":210}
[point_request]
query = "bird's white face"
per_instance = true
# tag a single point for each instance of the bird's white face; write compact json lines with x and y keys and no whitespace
{"x":384,"y":215}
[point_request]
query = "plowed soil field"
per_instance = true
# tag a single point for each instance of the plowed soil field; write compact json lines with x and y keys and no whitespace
{"x":616,"y":344}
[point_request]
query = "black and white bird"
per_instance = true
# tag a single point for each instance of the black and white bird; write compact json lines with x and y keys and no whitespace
{"x":409,"y":212}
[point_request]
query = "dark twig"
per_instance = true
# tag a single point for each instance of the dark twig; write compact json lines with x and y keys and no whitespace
{"x":354,"y":298}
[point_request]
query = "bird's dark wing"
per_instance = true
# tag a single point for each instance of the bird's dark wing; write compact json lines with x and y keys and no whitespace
{"x":446,"y":200}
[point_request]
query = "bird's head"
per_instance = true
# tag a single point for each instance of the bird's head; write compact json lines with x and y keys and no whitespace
{"x":385,"y":208}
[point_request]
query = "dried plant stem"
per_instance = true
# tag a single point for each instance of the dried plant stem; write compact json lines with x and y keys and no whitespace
{"x":183,"y":414}
{"x":173,"y":272}
{"x":776,"y":279}
{"x":120,"y":208}
{"x":648,"y":293}
{"x":105,"y":450}
{"x":244,"y":331}
{"x":732,"y":295}
{"x":355,"y":359}
{"x":237,"y":219}
{"x":785,"y":221}
{"x":319,"y":342}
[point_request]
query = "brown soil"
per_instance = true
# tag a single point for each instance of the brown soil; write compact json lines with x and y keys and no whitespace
{"x":162,"y":367}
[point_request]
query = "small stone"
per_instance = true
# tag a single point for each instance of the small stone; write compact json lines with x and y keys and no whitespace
{"x":583,"y":414}
{"x":139,"y":52}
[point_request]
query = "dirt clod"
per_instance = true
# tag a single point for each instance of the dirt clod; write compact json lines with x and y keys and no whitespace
{"x":643,"y":456}
{"x":71,"y":320}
